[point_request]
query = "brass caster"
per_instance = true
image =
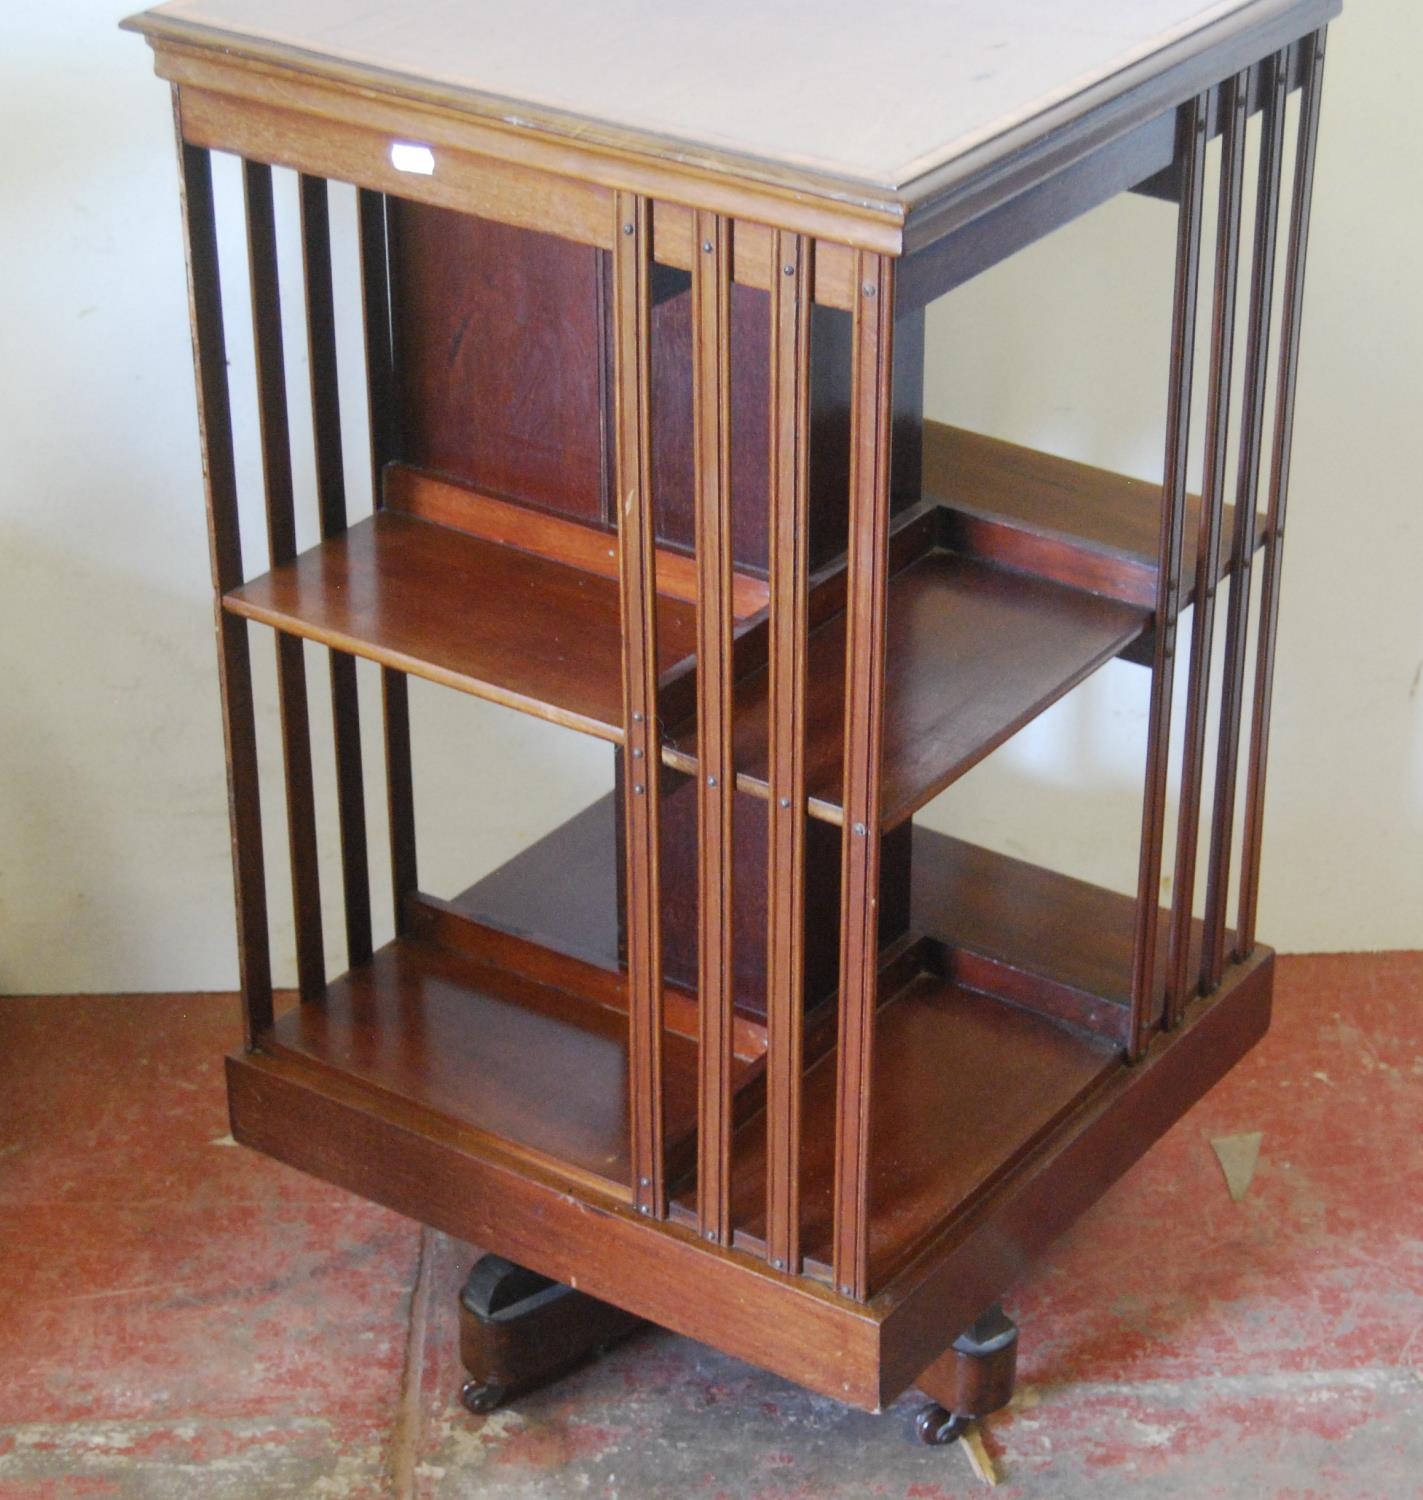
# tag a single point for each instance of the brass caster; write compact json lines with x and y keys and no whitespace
{"x":479,"y":1398}
{"x":937,"y":1427}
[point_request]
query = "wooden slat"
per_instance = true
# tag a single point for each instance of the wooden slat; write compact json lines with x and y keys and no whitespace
{"x":1257,"y":370}
{"x":716,"y":783}
{"x":275,"y":434}
{"x":380,"y":395}
{"x":788,"y":529}
{"x":331,"y":502}
{"x":1192,"y":151}
{"x":225,"y":555}
{"x":1180,"y":986}
{"x":872,"y":346}
{"x":1272,"y":561}
{"x":632,"y":359}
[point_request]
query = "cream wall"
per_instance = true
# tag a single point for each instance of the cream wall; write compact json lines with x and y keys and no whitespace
{"x":113,"y":835}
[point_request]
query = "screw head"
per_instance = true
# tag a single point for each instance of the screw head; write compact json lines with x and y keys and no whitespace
{"x":644,"y":1208}
{"x":785,"y":801}
{"x":711,"y":1235}
{"x":711,"y":780}
{"x":706,"y":247}
{"x":788,"y":270}
{"x":644,"y":1182}
{"x":860,"y":829}
{"x":638,"y":790}
{"x":870,"y":289}
{"x":847,"y":1291}
{"x":637,"y":752}
{"x":779,"y":1264}
{"x":636,"y":717}
{"x":627,"y":228}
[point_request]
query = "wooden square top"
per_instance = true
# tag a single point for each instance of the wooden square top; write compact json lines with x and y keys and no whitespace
{"x":870,"y":99}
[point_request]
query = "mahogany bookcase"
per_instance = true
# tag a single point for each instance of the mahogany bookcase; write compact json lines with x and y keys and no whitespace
{"x":740,"y":1049}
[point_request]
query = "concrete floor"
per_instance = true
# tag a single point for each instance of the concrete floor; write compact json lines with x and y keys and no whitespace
{"x":179,"y":1317}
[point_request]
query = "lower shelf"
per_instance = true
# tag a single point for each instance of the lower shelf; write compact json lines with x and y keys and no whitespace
{"x":536,"y":1069}
{"x":965,"y":1086}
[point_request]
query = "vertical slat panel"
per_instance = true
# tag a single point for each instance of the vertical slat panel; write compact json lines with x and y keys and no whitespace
{"x":1273,"y":558}
{"x":788,"y":529}
{"x":281,"y":539}
{"x":870,"y":397}
{"x":711,"y":376}
{"x":331,"y":500}
{"x":1191,"y":152}
{"x":632,"y":361}
{"x":1257,"y":367}
{"x":380,"y":386}
{"x":225,"y":555}
{"x":1180,"y":985}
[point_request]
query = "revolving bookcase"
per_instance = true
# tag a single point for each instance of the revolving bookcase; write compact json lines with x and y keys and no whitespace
{"x":741,"y":1049}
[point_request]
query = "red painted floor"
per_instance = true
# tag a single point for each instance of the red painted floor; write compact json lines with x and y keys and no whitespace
{"x":179,"y":1317}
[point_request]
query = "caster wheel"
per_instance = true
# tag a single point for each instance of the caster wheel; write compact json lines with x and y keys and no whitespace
{"x":937,"y":1427}
{"x":479,"y":1399}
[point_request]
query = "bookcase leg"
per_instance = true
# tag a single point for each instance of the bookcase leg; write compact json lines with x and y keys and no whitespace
{"x":974,"y":1379}
{"x":520,"y":1330}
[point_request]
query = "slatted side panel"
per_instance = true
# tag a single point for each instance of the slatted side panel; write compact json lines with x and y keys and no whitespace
{"x":225,"y":553}
{"x":1247,"y":489}
{"x":632,"y":358}
{"x":789,"y":395}
{"x":1191,"y":152}
{"x":716,"y":791}
{"x":1181,"y":985}
{"x":281,"y":541}
{"x":870,"y":403}
{"x":1272,"y":561}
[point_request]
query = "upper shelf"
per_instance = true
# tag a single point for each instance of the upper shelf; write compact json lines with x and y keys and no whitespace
{"x":492,"y":620}
{"x":974,"y":652}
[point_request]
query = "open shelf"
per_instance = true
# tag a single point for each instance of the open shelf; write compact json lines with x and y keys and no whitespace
{"x":492,"y":620}
{"x":964,"y":1087}
{"x":1070,"y":522}
{"x":974,"y":652}
{"x":532,"y":1067}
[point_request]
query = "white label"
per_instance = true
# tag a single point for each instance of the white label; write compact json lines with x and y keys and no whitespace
{"x":405,"y":157}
